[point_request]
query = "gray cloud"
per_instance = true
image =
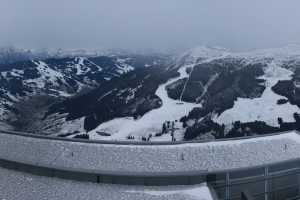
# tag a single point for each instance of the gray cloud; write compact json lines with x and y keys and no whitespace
{"x":149,"y":24}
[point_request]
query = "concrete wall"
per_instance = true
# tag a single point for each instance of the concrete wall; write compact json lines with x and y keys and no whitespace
{"x":149,"y":160}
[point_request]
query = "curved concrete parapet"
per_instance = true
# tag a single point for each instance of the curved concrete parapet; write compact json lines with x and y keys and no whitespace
{"x":149,"y":159}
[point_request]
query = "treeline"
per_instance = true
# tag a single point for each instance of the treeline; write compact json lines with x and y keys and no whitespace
{"x":240,"y":129}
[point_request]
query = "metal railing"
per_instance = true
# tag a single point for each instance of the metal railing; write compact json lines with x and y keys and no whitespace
{"x":275,"y":185}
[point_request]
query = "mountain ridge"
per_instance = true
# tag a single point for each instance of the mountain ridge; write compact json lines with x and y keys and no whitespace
{"x":188,"y":97}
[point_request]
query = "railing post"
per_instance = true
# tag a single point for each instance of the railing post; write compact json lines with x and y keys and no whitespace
{"x":266,"y":175}
{"x":227,"y":192}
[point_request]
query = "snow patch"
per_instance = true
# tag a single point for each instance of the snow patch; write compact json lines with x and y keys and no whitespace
{"x":264,"y":108}
{"x":73,"y":126}
{"x":17,"y":73}
{"x":99,"y":68}
{"x":47,"y":75}
{"x":123,"y":67}
{"x":12,"y":97}
{"x":199,"y":192}
{"x":79,"y":66}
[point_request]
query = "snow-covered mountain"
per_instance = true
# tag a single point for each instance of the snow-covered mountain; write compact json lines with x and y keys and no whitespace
{"x":12,"y":54}
{"x":33,"y":85}
{"x":205,"y":93}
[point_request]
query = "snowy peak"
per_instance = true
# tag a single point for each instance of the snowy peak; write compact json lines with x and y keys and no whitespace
{"x":279,"y":55}
{"x":207,"y":52}
{"x":286,"y":53}
{"x":203,"y":52}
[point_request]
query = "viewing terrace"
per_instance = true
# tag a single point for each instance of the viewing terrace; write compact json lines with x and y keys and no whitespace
{"x":262,"y":167}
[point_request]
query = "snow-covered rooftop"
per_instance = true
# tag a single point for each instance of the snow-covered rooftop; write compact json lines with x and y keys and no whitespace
{"x":143,"y":160}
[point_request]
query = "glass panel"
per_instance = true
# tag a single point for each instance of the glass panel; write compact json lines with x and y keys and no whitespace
{"x":220,"y":191}
{"x":196,"y":179}
{"x":250,"y":181}
{"x":256,"y":188}
{"x":216,"y":179}
{"x":246,"y":174}
{"x":218,"y":182}
{"x":284,"y":187}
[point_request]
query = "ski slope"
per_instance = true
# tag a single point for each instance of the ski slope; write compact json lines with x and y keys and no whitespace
{"x":151,"y":122}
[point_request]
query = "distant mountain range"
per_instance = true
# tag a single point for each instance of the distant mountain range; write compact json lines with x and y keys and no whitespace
{"x":205,"y":93}
{"x":12,"y":54}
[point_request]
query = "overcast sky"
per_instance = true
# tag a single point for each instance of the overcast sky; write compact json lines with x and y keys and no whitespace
{"x":149,"y":24}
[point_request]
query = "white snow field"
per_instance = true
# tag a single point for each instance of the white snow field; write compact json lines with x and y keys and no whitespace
{"x":72,"y":126}
{"x":79,"y":66}
{"x":171,"y":110}
{"x":22,"y":186}
{"x":46,"y":75}
{"x":264,"y":108}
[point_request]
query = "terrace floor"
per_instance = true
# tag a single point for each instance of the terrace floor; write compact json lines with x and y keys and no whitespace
{"x":16,"y":185}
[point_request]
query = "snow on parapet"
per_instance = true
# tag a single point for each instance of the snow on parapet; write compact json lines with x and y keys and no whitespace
{"x":180,"y":159}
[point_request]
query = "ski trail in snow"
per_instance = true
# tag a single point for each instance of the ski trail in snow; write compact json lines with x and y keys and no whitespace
{"x":185,"y":84}
{"x":91,"y":62}
{"x":151,"y":122}
{"x":209,"y":82}
{"x":206,"y":86}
